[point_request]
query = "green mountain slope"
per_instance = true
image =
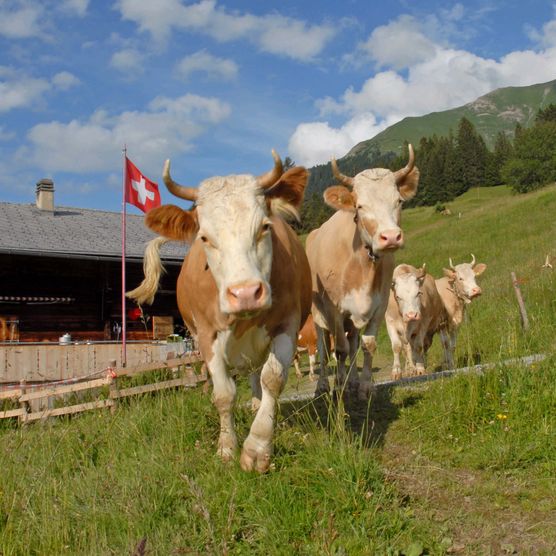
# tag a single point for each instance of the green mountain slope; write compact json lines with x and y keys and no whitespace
{"x":497,"y":111}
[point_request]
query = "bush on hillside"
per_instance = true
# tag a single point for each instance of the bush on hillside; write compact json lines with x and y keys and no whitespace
{"x":533,"y":163}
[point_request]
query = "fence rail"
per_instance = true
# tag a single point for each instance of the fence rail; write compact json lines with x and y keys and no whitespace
{"x":30,"y":407}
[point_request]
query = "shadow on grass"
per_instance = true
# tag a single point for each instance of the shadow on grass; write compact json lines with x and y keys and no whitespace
{"x":367,"y":419}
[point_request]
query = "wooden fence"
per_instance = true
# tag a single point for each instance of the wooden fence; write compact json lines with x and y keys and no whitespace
{"x":28,"y":397}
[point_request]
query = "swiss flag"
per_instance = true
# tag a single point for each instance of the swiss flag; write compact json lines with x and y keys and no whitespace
{"x":139,"y":190}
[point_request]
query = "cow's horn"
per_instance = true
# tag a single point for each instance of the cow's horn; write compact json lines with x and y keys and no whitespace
{"x":399,"y":175}
{"x":452,"y":264}
{"x":187,"y":193}
{"x":472,"y":260}
{"x":342,"y":178}
{"x":272,"y":176}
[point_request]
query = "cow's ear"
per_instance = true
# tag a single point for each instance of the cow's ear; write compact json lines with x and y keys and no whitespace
{"x":173,"y":222}
{"x":450,"y":274}
{"x":408,"y":186}
{"x":290,"y":187}
{"x":478,"y":269}
{"x":340,"y":198}
{"x":286,"y":195}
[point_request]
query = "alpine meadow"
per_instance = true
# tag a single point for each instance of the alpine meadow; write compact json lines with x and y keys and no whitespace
{"x":461,"y":465}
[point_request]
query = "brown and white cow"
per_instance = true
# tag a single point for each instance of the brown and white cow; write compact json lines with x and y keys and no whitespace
{"x":440,"y":306}
{"x":415,"y":313}
{"x":307,"y":341}
{"x":457,"y":288}
{"x":243,"y":291}
{"x":352,"y":259}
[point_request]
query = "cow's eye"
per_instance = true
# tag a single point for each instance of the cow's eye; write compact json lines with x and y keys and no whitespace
{"x":264,"y":231}
{"x":204,"y":239}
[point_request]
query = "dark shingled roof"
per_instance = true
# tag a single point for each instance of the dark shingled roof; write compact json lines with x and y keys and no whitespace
{"x":76,"y":233}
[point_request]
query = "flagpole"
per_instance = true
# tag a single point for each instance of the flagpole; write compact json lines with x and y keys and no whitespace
{"x":124,"y":327}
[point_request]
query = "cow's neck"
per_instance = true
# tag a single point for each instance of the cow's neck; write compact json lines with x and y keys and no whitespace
{"x":372,"y":266}
{"x":457,"y":306}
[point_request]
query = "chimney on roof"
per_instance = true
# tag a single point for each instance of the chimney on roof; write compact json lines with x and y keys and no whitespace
{"x":45,"y":194}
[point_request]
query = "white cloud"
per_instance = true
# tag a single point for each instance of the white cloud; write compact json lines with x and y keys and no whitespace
{"x":274,"y":33}
{"x":77,"y":7}
{"x":19,"y":21}
{"x":399,"y":44}
{"x":204,"y":62}
{"x":167,"y":127}
{"x":19,"y":91}
{"x":437,"y":78}
{"x":315,"y":143}
{"x":128,"y":61}
{"x":65,"y":80}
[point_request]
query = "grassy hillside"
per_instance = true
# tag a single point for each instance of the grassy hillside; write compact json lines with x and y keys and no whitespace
{"x":461,"y":466}
{"x":497,"y":111}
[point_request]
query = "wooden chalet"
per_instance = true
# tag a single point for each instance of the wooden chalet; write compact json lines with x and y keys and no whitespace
{"x":60,"y":273}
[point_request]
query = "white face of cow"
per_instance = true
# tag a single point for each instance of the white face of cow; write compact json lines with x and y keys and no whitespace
{"x":235,"y":229}
{"x":232,"y":219}
{"x":378,"y":210}
{"x":406,"y":287}
{"x":464,"y":279}
{"x":376,"y":197}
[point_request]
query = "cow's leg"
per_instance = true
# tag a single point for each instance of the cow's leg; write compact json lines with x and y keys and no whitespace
{"x":368,"y":340}
{"x":448,"y":347}
{"x":256,"y":391}
{"x":323,"y":347}
{"x":257,"y":447}
{"x":312,"y":358}
{"x":296,"y":365}
{"x":353,"y":376}
{"x":341,"y":348}
{"x":223,"y":397}
{"x":418,"y":351}
{"x":396,"y":342}
{"x":409,"y":362}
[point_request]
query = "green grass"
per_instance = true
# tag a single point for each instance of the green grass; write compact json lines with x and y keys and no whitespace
{"x":100,"y":483}
{"x":463,"y":465}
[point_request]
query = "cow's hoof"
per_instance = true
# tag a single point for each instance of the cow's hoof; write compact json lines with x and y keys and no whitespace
{"x":365,"y":390}
{"x":312,"y":377}
{"x":420,"y":371}
{"x":255,"y":459}
{"x":396,"y":374}
{"x":227,"y":448}
{"x":226,"y":454}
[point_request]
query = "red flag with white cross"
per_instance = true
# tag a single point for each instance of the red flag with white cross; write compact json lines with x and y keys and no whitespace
{"x":140,"y":190}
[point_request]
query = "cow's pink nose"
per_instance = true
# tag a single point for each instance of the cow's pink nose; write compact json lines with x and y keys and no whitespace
{"x":476,"y":291}
{"x":248,"y":296}
{"x":412,"y":316}
{"x":390,"y":239}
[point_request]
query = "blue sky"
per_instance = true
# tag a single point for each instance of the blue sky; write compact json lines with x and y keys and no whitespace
{"x":215,"y":85}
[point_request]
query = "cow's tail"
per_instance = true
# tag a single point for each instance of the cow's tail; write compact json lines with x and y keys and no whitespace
{"x":153,"y":269}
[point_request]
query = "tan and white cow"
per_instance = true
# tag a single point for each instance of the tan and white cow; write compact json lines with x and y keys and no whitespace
{"x":415,"y":313}
{"x":457,"y":288}
{"x":243,"y":291}
{"x":352,"y":259}
{"x":419,"y":308}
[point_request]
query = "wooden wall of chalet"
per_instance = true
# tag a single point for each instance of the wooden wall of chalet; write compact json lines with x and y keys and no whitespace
{"x":93,"y":288}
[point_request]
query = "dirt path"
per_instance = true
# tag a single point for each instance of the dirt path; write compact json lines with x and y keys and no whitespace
{"x":476,"y":511}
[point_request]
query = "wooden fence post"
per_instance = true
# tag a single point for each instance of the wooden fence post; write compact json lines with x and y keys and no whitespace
{"x":520,"y":302}
{"x":24,"y":405}
{"x":113,"y":388}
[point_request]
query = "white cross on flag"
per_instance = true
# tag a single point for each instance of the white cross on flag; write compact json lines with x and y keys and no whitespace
{"x":139,"y":190}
